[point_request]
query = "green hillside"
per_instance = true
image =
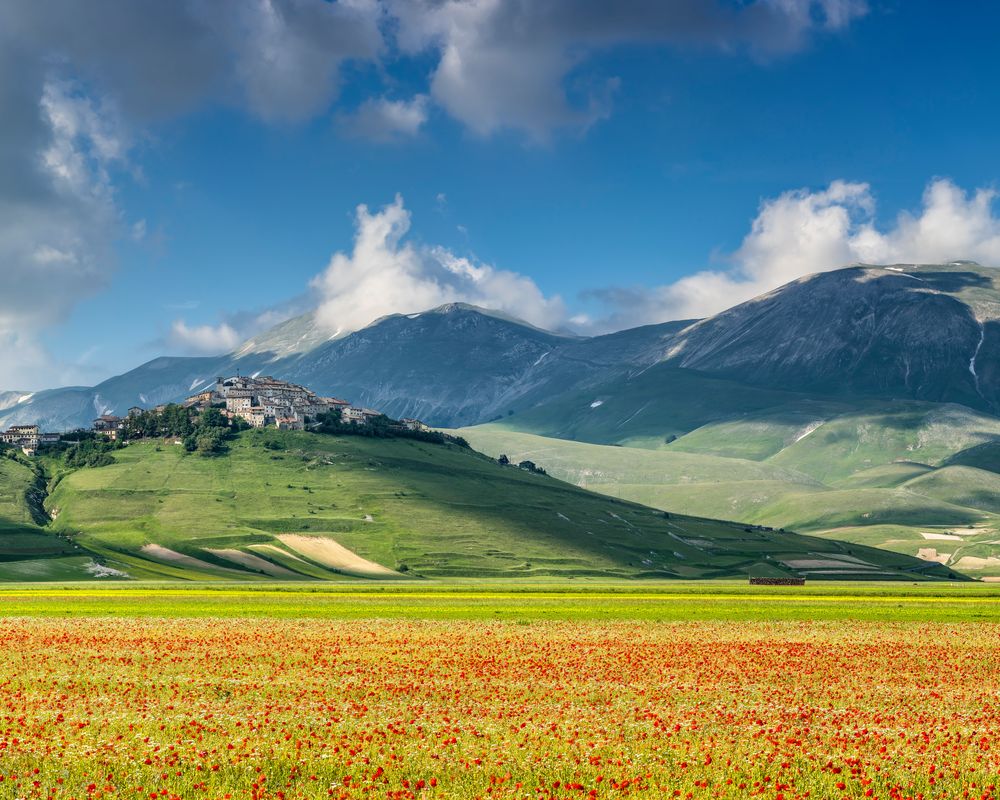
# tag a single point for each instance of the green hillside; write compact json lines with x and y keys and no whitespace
{"x":27,"y":550}
{"x":911,"y":477}
{"x":294,"y":506}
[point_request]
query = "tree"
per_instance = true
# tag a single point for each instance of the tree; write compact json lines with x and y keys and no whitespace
{"x":211,"y":441}
{"x":503,"y":460}
{"x":212,"y":418}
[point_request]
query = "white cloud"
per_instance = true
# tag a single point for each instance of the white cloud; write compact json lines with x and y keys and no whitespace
{"x":232,"y":330}
{"x":801,"y":232}
{"x":203,"y":339}
{"x":286,"y":54}
{"x":384,"y":120}
{"x":57,"y":220}
{"x":385,"y":274}
{"x":505,"y":64}
{"x":75,"y":82}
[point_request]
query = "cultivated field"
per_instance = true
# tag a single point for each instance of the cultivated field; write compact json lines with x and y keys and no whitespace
{"x":536,"y":691}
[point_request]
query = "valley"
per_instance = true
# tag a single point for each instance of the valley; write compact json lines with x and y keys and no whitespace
{"x":911,"y":477}
{"x":856,"y":406}
{"x":286,"y":505}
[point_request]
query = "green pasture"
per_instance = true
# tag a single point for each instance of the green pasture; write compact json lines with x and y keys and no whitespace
{"x":397,"y":509}
{"x":531,"y":602}
{"x":905,"y":476}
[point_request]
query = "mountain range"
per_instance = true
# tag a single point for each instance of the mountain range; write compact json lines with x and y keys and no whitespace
{"x":858,"y":404}
{"x":926,"y":332}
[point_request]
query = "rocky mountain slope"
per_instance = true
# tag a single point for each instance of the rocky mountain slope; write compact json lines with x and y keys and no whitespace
{"x":929,"y":332}
{"x":11,"y":399}
{"x":453,"y":365}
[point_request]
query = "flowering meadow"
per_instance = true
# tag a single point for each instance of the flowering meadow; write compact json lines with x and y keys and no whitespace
{"x":175,"y":708}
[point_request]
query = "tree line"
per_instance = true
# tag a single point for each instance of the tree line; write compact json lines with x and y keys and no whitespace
{"x":380,"y":427}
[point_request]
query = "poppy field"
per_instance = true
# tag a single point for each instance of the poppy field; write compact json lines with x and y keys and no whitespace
{"x":147,"y":707}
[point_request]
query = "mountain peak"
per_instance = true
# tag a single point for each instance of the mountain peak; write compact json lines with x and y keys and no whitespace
{"x":459,"y":307}
{"x":927,"y":331}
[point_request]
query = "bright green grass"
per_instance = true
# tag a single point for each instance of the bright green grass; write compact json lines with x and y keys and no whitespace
{"x":891,"y":432}
{"x":595,"y":466}
{"x":817,"y":511}
{"x":21,"y":540}
{"x":15,"y":480}
{"x":559,"y":600}
{"x":866,"y":477}
{"x":966,"y":486}
{"x":428,"y":511}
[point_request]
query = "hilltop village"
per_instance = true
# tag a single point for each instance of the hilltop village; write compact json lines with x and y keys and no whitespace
{"x":259,"y":401}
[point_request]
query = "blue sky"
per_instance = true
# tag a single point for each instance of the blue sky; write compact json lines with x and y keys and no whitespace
{"x":667,"y":165}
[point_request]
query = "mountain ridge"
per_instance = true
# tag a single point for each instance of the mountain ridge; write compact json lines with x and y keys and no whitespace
{"x":455,"y":364}
{"x":929,"y":332}
{"x":924,"y":331}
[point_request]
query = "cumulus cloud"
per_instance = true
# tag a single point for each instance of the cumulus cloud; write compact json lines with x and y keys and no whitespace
{"x":801,"y":232}
{"x":278,"y":58}
{"x":385,"y":274}
{"x":203,"y":339}
{"x":504,"y":64}
{"x":57,"y":217}
{"x":384,"y":120}
{"x":285,"y":54}
{"x":78,"y":82}
{"x":232,"y":329}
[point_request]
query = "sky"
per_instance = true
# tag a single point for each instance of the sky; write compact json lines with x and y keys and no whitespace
{"x":176,"y":177}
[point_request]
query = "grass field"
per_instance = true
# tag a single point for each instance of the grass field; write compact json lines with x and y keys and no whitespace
{"x":540,"y":691}
{"x":281,"y":506}
{"x":570,"y":601}
{"x":926,"y":476}
{"x":24,"y":546}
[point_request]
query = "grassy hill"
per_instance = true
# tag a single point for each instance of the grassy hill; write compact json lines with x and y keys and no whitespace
{"x":295,"y":506}
{"x":907,"y":476}
{"x":27,"y":550}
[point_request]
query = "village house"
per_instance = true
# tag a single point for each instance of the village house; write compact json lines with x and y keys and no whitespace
{"x":108,"y":424}
{"x":289,"y":424}
{"x":352,"y":415}
{"x":254,"y":417}
{"x":239,"y":400}
{"x":202,"y":400}
{"x":28,"y":437}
